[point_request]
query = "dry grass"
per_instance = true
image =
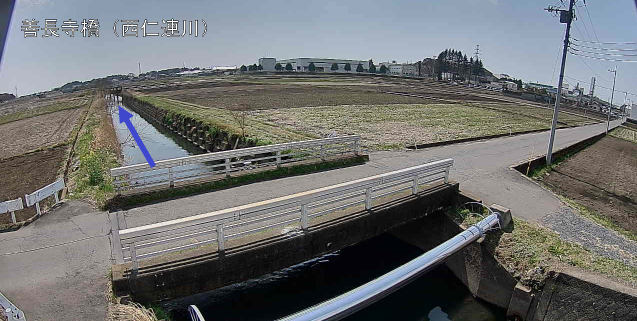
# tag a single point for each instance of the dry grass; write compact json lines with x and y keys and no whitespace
{"x":625,"y":133}
{"x":400,"y":125}
{"x":132,"y":311}
{"x":531,"y":251}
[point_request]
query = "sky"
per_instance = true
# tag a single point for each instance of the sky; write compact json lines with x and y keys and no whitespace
{"x":516,"y":37}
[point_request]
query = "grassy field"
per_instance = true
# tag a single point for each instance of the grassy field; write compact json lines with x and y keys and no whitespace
{"x":545,"y":114}
{"x":625,"y":133}
{"x":532,"y":251}
{"x":399,"y":125}
{"x":51,"y":108}
{"x":264,"y":132}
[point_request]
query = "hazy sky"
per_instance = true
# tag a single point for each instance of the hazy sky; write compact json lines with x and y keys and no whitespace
{"x":516,"y":37}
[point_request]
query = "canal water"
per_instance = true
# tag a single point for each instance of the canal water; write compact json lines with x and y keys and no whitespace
{"x":160,"y":142}
{"x":436,"y":296}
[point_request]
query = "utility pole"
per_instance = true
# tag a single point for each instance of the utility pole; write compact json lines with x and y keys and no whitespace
{"x":565,"y":17}
{"x":592,"y":90}
{"x":140,"y":67}
{"x":16,"y":91}
{"x":614,"y":71}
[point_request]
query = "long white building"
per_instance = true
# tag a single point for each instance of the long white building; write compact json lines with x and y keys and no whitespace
{"x":321,"y":64}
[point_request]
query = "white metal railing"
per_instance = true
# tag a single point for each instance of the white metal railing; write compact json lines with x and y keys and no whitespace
{"x":195,"y":314}
{"x":10,"y":207}
{"x":44,"y":192}
{"x":134,"y":244}
{"x":166,"y":173}
{"x":10,"y":311}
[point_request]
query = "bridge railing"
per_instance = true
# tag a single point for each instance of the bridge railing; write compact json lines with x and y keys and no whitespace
{"x":134,"y":244}
{"x":167,"y":173}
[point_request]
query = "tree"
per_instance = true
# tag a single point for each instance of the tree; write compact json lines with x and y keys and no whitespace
{"x":334,"y":67}
{"x":288,"y":66}
{"x":359,"y":68}
{"x":278,"y":67}
{"x":240,"y":115}
{"x":311,"y":67}
{"x":243,"y":68}
{"x":419,"y":66}
{"x":383,"y":69}
{"x":259,"y":67}
{"x":372,"y":68}
{"x":348,"y":67}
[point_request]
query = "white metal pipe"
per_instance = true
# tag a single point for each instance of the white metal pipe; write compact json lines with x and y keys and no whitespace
{"x":366,"y":294}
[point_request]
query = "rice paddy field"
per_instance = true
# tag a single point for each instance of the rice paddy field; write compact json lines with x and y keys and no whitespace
{"x":283,"y":109}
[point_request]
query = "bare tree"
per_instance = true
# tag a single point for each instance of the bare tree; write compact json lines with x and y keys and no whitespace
{"x":240,"y":114}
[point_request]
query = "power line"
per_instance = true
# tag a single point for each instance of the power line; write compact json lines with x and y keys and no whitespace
{"x":606,"y":43}
{"x":603,"y":54}
{"x":594,"y":32}
{"x":605,"y":59}
{"x":603,"y":49}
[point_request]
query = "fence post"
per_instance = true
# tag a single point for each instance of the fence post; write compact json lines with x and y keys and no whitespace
{"x":304,"y":218}
{"x":447,"y":175}
{"x":322,"y":152}
{"x":227,"y":167}
{"x":37,"y":208}
{"x":221,"y":242}
{"x":133,"y":257}
{"x":115,"y":239}
{"x":356,"y":147}
{"x":414,"y":187}
{"x":57,"y":199}
{"x":13,"y":217}
{"x":368,"y":198}
{"x":278,"y":158}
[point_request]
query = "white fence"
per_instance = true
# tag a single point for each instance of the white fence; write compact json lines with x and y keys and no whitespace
{"x":44,"y":192}
{"x":133,"y":244}
{"x":32,"y":199}
{"x":11,"y":206}
{"x":187,"y":169}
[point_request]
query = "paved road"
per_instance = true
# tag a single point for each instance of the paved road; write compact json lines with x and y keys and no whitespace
{"x":58,"y":265}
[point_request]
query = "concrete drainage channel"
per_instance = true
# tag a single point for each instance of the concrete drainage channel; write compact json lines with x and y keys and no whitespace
{"x":11,"y":312}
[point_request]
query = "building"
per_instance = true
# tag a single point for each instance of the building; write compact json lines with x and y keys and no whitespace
{"x":321,"y":64}
{"x":403,"y":69}
{"x":633,"y":112}
{"x":267,"y":63}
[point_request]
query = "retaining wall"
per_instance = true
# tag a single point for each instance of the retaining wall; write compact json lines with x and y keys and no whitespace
{"x":199,"y":133}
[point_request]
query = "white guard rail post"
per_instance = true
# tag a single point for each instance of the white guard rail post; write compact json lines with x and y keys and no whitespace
{"x":366,"y":294}
{"x":10,"y":207}
{"x":44,"y":192}
{"x":166,"y":173}
{"x":135,"y":243}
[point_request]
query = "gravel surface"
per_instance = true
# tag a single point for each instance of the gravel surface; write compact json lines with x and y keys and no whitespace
{"x":575,"y":228}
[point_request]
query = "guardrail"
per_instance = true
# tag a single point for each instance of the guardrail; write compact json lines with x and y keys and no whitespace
{"x":134,"y":244}
{"x":166,"y":173}
{"x":10,"y":311}
{"x":11,"y":206}
{"x":44,"y":192}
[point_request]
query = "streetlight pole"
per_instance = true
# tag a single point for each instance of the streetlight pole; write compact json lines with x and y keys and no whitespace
{"x":614,"y":71}
{"x":565,"y":17}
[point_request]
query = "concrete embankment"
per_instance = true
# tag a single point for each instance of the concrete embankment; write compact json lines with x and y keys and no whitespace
{"x":567,"y":294}
{"x":197,"y":131}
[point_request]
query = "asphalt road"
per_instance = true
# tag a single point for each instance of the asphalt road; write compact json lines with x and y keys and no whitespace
{"x":57,"y":268}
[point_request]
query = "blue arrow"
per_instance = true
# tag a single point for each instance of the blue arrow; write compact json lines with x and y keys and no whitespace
{"x":124,"y":117}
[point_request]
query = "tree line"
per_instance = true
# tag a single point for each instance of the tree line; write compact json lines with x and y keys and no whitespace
{"x":312,"y":68}
{"x":452,"y":64}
